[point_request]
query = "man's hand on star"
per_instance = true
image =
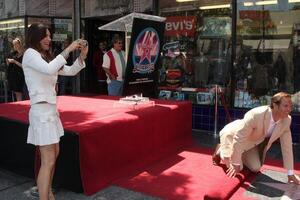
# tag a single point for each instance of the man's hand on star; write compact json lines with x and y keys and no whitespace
{"x":233,"y":170}
{"x":294,"y":179}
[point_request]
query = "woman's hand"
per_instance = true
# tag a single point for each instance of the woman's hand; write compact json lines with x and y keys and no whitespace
{"x":74,"y":45}
{"x":84,"y":48}
{"x":10,"y":60}
{"x":77,"y":44}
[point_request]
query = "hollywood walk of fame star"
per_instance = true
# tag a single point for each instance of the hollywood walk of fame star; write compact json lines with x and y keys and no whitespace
{"x":291,"y":191}
{"x":146,"y":48}
{"x":272,"y":184}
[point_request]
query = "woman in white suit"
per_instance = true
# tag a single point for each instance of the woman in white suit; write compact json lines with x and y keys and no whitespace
{"x":41,"y":71}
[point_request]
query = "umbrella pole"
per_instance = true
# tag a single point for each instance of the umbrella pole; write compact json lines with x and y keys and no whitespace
{"x":127,"y":42}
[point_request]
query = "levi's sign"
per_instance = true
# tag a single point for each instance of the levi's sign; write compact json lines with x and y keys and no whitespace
{"x":180,"y":25}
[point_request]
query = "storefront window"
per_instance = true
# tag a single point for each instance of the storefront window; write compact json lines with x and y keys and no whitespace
{"x":46,"y":21}
{"x":197,"y":48}
{"x":10,"y":29}
{"x":267,"y":59}
{"x":62,"y":31}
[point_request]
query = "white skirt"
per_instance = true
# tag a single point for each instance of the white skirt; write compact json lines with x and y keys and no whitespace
{"x":45,"y":126}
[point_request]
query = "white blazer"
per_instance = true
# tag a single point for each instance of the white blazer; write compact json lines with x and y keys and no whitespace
{"x":41,"y":76}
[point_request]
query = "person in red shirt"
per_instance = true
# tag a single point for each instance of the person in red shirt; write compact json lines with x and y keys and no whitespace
{"x":114,"y":65}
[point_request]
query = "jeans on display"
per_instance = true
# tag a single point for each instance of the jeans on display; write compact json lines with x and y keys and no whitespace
{"x":115,"y":88}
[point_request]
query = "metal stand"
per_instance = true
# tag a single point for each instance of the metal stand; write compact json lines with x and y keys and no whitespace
{"x":216,"y":112}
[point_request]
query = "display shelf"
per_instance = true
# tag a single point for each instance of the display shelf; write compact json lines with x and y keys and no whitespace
{"x":201,"y":96}
{"x":183,"y":89}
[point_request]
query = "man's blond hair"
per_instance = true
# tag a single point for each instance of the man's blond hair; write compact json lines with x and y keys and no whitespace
{"x":277,"y":98}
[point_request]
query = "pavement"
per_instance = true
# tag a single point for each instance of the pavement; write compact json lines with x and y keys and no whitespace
{"x":268,"y":185}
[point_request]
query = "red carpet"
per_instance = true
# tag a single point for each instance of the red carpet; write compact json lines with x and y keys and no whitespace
{"x":188,"y":175}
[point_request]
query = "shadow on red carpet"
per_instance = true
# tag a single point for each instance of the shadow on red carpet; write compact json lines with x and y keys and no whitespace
{"x":188,"y":175}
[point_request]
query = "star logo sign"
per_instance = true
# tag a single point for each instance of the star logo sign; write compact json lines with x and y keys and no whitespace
{"x":146,"y":47}
{"x":145,"y":51}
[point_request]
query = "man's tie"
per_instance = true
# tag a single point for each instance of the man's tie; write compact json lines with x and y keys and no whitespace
{"x":264,"y":143}
{"x":271,"y":129}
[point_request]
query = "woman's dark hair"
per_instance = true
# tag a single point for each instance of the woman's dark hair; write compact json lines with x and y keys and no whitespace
{"x":276,"y":99}
{"x":35,"y":33}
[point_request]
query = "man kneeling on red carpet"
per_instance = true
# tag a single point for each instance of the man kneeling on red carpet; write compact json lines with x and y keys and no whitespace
{"x":246,"y":141}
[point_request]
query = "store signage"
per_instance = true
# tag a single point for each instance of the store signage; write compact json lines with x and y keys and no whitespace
{"x":143,"y":56}
{"x":180,"y":25}
{"x":59,"y":37}
{"x":45,"y":21}
{"x":256,"y":15}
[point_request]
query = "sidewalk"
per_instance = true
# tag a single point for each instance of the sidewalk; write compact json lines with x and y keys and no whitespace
{"x":15,"y":187}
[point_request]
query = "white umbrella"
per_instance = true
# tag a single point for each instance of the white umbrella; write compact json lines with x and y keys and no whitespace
{"x":125,"y":23}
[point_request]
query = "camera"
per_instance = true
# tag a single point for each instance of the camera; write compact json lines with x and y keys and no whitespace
{"x":82,"y":43}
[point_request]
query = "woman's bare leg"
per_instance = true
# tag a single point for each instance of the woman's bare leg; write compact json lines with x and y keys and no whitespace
{"x":51,"y":195}
{"x":48,"y":159}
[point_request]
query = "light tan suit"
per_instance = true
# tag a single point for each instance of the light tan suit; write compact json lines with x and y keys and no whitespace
{"x":240,"y":139}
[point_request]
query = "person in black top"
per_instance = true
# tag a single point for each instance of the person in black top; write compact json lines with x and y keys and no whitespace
{"x":15,"y":75}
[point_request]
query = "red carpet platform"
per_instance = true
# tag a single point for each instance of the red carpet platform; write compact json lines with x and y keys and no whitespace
{"x":108,"y":141}
{"x":188,"y":175}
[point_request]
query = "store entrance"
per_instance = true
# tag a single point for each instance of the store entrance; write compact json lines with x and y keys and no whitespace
{"x":95,"y":78}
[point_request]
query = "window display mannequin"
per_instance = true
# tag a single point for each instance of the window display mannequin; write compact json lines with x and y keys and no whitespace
{"x":244,"y":64}
{"x":260,"y":79}
{"x":219,"y":62}
{"x":279,"y":71}
{"x":189,"y":67}
{"x":201,"y":70}
{"x":175,"y":72}
{"x":296,"y":61}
